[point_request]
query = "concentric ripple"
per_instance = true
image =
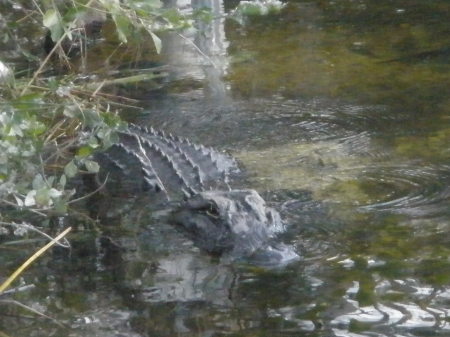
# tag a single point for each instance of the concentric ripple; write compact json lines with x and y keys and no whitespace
{"x":407,"y":189}
{"x":261,"y":123}
{"x":325,"y":119}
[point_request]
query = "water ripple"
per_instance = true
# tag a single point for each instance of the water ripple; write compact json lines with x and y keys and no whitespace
{"x":407,"y":189}
{"x":418,"y":313}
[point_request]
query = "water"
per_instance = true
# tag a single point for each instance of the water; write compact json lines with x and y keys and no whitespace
{"x":339,"y":111}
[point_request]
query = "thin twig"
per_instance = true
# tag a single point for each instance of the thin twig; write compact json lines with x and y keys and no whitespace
{"x":34,"y":229}
{"x":14,"y":302}
{"x":44,"y":177}
{"x":110,"y":96}
{"x":86,"y":217}
{"x":88,"y":6}
{"x":90,"y":193}
{"x":107,"y":60}
{"x":54,"y":129}
{"x":9,"y":203}
{"x":126,"y":80}
{"x":29,"y":261}
{"x":198,"y":50}
{"x":7,"y":244}
{"x":41,"y":67}
{"x":99,"y":87}
{"x":60,"y":149}
{"x":38,"y":8}
{"x":19,"y":289}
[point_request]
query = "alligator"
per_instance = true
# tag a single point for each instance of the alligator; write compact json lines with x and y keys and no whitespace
{"x":222,"y":221}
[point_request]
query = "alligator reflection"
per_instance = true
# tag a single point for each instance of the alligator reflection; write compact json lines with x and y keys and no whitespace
{"x":173,"y":288}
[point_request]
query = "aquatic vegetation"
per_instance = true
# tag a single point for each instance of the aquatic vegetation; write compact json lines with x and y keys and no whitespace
{"x":338,"y":50}
{"x":431,"y":146}
{"x":247,"y":9}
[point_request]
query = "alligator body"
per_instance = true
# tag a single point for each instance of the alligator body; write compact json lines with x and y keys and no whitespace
{"x":220,"y":220}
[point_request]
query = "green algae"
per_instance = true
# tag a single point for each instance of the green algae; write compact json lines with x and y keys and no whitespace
{"x":431,"y":146}
{"x":313,"y":51}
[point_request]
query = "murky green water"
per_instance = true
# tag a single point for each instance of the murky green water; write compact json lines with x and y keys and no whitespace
{"x":339,"y":111}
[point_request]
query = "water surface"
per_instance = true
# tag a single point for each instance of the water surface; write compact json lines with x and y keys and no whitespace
{"x":339,"y":112}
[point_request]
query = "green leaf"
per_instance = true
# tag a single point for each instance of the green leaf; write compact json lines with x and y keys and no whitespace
{"x":43,"y":197}
{"x":62,"y":181}
{"x":93,"y":143}
{"x":84,"y":151}
{"x":6,"y":75}
{"x":60,"y":206}
{"x":56,"y":32}
{"x":19,"y":201}
{"x":144,"y":8}
{"x":72,"y":13}
{"x":69,"y":111}
{"x":29,"y":199}
{"x":54,"y":193}
{"x":16,"y":131}
{"x":91,"y":166}
{"x":108,"y":138}
{"x":113,"y":138}
{"x":38,"y":182}
{"x":50,"y":180}
{"x":51,"y":18}
{"x":71,"y":169}
{"x":23,"y":103}
{"x":155,"y":3}
{"x":122,"y":26}
{"x":53,"y":22}
{"x":173,"y":16}
{"x":157,"y":42}
{"x":91,"y":118}
{"x":251,"y":9}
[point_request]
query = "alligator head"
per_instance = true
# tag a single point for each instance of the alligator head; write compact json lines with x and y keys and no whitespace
{"x":236,"y":223}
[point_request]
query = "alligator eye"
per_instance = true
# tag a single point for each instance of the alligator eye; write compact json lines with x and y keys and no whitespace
{"x":212,"y":210}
